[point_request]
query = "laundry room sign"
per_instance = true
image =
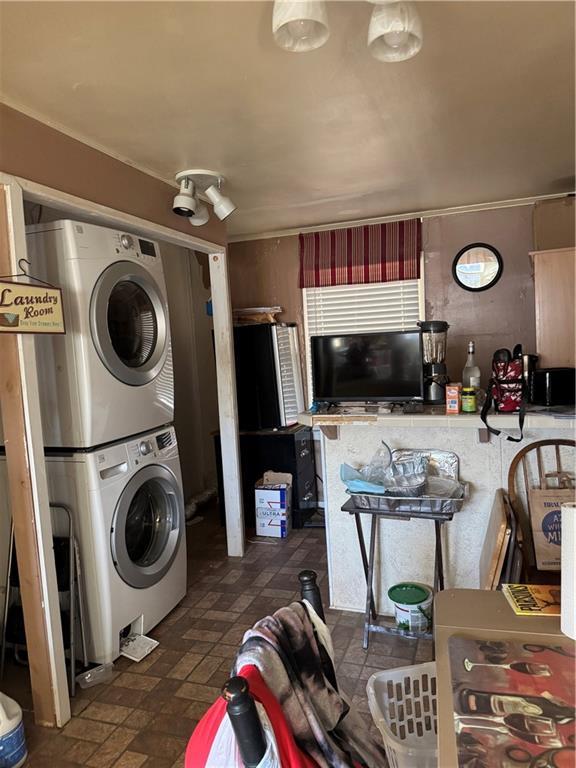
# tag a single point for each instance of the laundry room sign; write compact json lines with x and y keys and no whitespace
{"x":26,"y":308}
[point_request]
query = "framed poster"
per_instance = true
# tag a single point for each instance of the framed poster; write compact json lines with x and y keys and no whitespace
{"x":514,"y":702}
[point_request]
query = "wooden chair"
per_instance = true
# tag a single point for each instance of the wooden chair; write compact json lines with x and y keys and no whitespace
{"x":538,"y":464}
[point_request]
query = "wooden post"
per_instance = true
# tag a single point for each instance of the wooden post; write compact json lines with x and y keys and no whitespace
{"x":227,"y":407}
{"x":28,"y":491}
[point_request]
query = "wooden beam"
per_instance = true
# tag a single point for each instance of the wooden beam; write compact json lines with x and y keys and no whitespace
{"x":330,"y":431}
{"x":28,"y":491}
{"x":227,"y":407}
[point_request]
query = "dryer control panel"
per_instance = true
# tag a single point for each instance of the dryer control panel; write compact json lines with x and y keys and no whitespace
{"x":143,"y":250}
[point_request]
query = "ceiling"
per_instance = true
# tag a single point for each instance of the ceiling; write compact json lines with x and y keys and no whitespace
{"x":484,"y":113}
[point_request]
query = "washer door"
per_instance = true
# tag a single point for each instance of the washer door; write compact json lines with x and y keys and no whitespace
{"x":147,"y":526}
{"x":129,"y":323}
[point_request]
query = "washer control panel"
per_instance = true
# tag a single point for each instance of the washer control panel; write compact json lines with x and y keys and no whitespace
{"x":146,"y":447}
{"x":151,"y":447}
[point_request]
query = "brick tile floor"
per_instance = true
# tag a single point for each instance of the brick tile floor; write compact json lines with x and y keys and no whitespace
{"x":144,"y":716}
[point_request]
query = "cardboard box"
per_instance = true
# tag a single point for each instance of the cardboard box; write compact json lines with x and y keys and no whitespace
{"x":273,"y":504}
{"x":453,"y":397}
{"x":546,"y":524}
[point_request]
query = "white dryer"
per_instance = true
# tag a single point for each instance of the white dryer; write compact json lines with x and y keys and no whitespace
{"x":129,"y":514}
{"x":110,"y":376}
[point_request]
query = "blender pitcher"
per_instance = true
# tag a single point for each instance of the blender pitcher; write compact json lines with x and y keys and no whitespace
{"x":434,"y":334}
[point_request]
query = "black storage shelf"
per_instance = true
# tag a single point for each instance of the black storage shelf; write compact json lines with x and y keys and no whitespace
{"x":288,"y":449}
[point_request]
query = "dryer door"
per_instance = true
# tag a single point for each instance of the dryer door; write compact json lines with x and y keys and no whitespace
{"x":129,"y":323}
{"x":147,"y":526}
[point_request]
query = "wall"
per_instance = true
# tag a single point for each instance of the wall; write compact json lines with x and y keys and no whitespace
{"x":554,"y":225}
{"x":265,"y":272}
{"x":207,"y":386}
{"x":32,"y":150}
{"x":499,"y":317}
{"x":196,"y":403}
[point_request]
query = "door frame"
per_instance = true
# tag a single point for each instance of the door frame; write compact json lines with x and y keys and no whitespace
{"x":55,"y":696}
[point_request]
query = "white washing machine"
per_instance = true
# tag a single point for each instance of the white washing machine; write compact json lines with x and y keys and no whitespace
{"x":110,"y":376}
{"x":129,"y":515}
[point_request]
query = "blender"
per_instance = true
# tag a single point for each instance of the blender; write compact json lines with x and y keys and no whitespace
{"x":434,"y":354}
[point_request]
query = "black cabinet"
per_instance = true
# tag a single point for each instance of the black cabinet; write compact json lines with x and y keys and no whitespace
{"x":290,"y":449}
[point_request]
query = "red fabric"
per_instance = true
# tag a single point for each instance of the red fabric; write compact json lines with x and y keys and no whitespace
{"x":200,"y":743}
{"x":377,"y":253}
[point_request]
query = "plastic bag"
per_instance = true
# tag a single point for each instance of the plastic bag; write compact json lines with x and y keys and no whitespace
{"x":405,"y":477}
{"x":375,"y":472}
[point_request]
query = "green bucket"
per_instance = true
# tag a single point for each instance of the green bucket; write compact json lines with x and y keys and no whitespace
{"x":412,"y":606}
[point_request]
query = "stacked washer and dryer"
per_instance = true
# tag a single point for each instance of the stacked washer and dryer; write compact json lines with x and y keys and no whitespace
{"x":107,"y":401}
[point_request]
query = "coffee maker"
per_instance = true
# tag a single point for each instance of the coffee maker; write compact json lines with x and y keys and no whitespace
{"x":434,"y":354}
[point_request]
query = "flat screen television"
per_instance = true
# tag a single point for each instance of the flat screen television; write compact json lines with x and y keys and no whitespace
{"x":368,"y":367}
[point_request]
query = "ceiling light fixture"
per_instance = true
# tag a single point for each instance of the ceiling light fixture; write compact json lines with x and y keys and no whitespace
{"x":300,"y":26}
{"x":395,"y":31}
{"x":201,"y":216}
{"x":223,"y":206}
{"x":185,"y":202}
{"x":200,"y":182}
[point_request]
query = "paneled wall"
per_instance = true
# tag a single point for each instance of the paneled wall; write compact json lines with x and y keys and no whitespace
{"x":499,"y":317}
{"x":195,"y":395}
{"x":265,"y":272}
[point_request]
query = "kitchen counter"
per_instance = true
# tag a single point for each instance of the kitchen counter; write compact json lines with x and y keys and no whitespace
{"x":405,"y":550}
{"x":436,"y":417}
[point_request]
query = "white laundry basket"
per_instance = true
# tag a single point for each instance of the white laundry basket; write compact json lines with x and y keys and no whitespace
{"x":403,"y":706}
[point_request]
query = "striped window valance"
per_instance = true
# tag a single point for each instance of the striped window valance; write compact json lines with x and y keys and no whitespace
{"x":376,"y":253}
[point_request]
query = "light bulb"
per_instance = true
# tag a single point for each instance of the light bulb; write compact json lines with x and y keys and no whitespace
{"x":300,"y":25}
{"x":303,"y":31}
{"x":396,"y":39}
{"x":395,"y":31}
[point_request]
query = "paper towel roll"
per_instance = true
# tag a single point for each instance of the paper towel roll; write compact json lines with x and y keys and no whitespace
{"x":568,"y":583}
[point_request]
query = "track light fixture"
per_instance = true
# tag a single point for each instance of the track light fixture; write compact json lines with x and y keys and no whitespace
{"x":223,"y":206}
{"x":185,"y":202}
{"x":201,"y":216}
{"x":194,"y":184}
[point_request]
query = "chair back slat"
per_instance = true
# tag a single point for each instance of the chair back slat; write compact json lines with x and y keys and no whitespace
{"x":541,"y":472}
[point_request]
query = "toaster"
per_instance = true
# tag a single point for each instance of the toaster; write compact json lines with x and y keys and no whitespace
{"x":553,"y":386}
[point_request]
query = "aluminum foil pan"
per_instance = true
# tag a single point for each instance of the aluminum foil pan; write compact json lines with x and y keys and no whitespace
{"x":439,"y":463}
{"x":405,"y":485}
{"x":441,"y":497}
{"x":426,"y":505}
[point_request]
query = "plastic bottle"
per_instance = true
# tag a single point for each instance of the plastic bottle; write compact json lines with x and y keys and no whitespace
{"x":13,"y":751}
